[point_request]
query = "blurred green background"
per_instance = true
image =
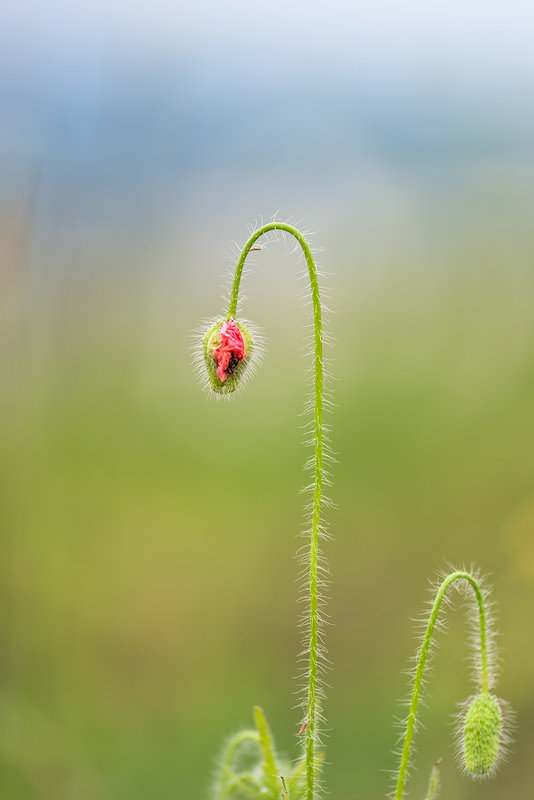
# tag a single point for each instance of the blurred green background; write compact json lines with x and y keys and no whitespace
{"x":148,"y":577}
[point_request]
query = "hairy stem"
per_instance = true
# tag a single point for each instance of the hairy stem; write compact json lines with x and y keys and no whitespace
{"x":311,"y":709}
{"x":422,"y":658}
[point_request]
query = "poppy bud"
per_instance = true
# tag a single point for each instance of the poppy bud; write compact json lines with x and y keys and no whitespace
{"x":481,"y":735}
{"x":227,"y":348}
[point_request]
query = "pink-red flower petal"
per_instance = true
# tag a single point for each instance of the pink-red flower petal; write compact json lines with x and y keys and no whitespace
{"x":231,"y":350}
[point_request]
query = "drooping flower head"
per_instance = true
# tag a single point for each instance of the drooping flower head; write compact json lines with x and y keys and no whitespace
{"x":483,"y":734}
{"x":227,"y":353}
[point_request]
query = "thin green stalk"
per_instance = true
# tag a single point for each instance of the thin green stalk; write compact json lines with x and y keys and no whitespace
{"x":421,"y":662}
{"x":313,"y":587}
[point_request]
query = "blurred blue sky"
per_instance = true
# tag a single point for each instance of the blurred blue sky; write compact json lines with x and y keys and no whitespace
{"x":122,"y":118}
{"x":477,"y":40}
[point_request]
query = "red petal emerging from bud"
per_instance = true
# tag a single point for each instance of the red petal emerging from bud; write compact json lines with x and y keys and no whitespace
{"x":231,"y":350}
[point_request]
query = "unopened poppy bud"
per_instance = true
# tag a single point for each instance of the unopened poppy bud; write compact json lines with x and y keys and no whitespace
{"x":227,"y":350}
{"x":433,"y":783}
{"x":482,"y":734}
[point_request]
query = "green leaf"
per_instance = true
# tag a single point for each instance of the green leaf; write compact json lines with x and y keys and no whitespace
{"x":271,"y":772}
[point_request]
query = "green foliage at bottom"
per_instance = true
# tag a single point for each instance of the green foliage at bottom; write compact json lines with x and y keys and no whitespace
{"x":250,"y":768}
